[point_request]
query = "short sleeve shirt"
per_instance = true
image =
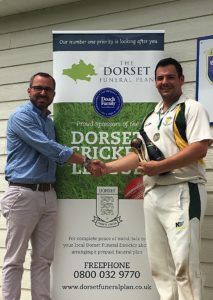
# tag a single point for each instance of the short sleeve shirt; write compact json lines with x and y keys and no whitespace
{"x":160,"y":129}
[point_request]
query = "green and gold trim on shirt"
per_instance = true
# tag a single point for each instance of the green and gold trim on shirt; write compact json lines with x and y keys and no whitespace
{"x":179,"y":128}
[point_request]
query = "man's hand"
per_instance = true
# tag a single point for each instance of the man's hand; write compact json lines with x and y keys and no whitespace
{"x":150,"y":168}
{"x":96,"y":167}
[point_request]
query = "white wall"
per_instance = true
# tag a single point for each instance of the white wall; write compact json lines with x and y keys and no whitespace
{"x":26,"y":48}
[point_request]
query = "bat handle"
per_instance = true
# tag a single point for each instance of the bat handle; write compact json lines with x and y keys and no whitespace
{"x":140,"y":156}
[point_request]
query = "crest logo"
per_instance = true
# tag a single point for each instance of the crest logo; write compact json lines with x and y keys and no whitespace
{"x":210,"y":66}
{"x":167,"y":121}
{"x":107,"y":207}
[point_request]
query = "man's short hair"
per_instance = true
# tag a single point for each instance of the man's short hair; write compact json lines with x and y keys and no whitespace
{"x":42,"y":74}
{"x":170,"y":61}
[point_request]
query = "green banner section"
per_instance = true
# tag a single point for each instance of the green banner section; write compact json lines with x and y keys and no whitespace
{"x":79,"y":126}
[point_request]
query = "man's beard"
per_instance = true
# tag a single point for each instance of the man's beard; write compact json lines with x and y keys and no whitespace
{"x":37,"y":101}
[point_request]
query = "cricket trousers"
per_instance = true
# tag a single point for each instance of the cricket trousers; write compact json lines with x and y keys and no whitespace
{"x":30,"y":216}
{"x":173,"y":216}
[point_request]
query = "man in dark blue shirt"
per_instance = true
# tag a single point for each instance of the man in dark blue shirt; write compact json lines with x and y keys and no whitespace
{"x":29,"y":204}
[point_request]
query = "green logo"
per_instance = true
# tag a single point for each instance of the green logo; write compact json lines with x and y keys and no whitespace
{"x":80,"y":71}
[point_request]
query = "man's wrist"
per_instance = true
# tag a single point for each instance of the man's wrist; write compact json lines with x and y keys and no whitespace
{"x":86,"y":161}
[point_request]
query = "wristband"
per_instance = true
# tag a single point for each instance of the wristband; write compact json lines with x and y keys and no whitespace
{"x":87,"y":161}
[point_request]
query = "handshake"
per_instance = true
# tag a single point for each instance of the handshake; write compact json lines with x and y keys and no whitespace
{"x":95,"y":167}
{"x":129,"y":162}
{"x":157,"y":165}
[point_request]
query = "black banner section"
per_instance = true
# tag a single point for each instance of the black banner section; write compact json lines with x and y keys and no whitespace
{"x":108,"y":42}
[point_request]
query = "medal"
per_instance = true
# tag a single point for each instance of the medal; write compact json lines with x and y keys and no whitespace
{"x":156,"y":136}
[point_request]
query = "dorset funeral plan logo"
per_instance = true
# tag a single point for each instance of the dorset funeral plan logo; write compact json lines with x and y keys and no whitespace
{"x":80,"y":71}
{"x":107,"y":207}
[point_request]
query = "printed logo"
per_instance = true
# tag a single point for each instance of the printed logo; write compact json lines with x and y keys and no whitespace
{"x":210,"y":65}
{"x":107,"y":207}
{"x":80,"y":71}
{"x":167,"y":121}
{"x":179,"y":225}
{"x":107,"y":102}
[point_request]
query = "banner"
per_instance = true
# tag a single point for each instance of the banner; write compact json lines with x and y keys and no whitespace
{"x":105,"y":86}
{"x":204,"y":83}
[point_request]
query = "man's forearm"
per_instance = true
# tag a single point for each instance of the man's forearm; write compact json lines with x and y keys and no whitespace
{"x":192,"y":153}
{"x":126,"y":163}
